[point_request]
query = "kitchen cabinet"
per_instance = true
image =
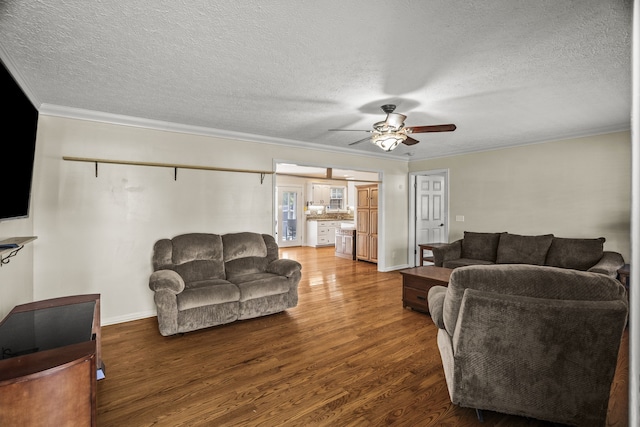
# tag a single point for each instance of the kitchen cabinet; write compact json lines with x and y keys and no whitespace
{"x":367,"y":222}
{"x":321,"y":233}
{"x":318,"y":194}
{"x":345,"y":243}
{"x":331,"y":196}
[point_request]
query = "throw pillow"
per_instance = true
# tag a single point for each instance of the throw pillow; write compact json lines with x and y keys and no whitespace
{"x":517,"y":249}
{"x":482,"y":246}
{"x":577,"y":254}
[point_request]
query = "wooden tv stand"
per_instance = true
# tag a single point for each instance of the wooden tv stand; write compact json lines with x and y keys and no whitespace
{"x":50,"y":359}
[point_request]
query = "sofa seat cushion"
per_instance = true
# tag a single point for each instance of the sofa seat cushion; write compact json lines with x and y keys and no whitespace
{"x":207,"y":292}
{"x":246,"y":265}
{"x":463,"y":262}
{"x":480,"y":246}
{"x":258,"y":285}
{"x":517,"y":249}
{"x":576,"y":254}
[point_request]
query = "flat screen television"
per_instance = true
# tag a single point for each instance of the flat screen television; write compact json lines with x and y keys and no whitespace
{"x":19,"y":125}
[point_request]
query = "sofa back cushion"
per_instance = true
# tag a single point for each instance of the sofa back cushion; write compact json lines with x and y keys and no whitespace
{"x":517,"y":249}
{"x":245,"y":253}
{"x":482,"y":246}
{"x":194,"y":256}
{"x":243,"y":245}
{"x":527,"y":281}
{"x":577,"y":254}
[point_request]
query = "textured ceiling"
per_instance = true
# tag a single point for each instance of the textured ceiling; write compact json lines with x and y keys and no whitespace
{"x":506,"y":72}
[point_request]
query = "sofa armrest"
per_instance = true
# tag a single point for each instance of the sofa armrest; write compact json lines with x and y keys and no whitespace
{"x":444,"y":253}
{"x":435,"y":298}
{"x":166,"y":280}
{"x":284,"y":267}
{"x":609,"y":264}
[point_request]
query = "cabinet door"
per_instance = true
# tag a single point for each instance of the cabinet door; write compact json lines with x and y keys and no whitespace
{"x":373,"y":249}
{"x":363,"y":197}
{"x":373,"y":197}
{"x":339,"y":244}
{"x":362,"y":246}
{"x":363,"y":221}
{"x":321,"y":194}
{"x":373,"y":222}
{"x":373,"y":235}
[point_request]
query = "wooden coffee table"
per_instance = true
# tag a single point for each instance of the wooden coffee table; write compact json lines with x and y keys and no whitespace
{"x":416,"y":283}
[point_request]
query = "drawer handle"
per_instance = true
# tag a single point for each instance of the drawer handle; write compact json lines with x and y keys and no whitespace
{"x":421,"y":298}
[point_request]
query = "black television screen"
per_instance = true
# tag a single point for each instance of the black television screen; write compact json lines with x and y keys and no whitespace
{"x":19,"y":125}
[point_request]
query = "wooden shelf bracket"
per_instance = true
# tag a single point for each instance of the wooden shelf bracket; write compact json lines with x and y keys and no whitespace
{"x":10,"y":247}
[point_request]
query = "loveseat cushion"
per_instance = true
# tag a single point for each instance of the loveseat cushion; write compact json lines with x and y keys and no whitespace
{"x":258,"y":285}
{"x":248,"y":265}
{"x":196,"y":246}
{"x":242,"y":245}
{"x":577,"y":254}
{"x":207,"y":292}
{"x":196,"y":256}
{"x":480,"y":246}
{"x":517,"y":249}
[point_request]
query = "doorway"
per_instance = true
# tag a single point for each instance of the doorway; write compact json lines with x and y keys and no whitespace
{"x":289,"y":219}
{"x":429,"y":211}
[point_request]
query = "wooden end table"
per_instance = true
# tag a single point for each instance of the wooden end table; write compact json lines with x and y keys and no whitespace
{"x":416,"y":283}
{"x":427,"y":247}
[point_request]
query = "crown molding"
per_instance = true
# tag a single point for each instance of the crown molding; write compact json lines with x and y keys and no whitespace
{"x":123,"y":120}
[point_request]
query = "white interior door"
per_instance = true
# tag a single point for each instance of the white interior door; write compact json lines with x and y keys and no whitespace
{"x":289,"y":216}
{"x":430,"y":211}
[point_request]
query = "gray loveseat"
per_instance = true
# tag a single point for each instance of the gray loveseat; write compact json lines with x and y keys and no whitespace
{"x":506,"y":248}
{"x":201,"y":280}
{"x":534,"y":341}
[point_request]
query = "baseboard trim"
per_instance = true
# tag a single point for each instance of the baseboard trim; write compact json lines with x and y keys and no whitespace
{"x":128,"y":317}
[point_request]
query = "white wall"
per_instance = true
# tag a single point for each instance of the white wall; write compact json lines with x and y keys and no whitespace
{"x":572,"y":188}
{"x":95,"y":234}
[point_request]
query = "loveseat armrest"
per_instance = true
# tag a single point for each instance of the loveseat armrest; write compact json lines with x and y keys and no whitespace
{"x":284,"y":267}
{"x":435,"y":298}
{"x":166,"y":280}
{"x":609,"y":264}
{"x":444,"y":253}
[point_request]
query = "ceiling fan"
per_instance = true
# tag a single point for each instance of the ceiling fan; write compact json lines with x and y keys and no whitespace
{"x":389,"y":133}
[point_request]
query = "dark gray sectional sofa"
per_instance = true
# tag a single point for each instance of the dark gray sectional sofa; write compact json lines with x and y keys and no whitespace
{"x":506,"y":248}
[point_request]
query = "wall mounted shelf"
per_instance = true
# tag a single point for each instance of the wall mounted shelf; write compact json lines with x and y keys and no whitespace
{"x":167,"y":165}
{"x":11,"y":246}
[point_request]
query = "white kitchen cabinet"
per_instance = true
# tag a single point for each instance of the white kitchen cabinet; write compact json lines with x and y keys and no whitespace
{"x":318,"y":194}
{"x":321,"y":233}
{"x":333,"y":196}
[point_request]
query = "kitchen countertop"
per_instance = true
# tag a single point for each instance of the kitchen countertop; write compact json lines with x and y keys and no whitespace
{"x":331,"y":217}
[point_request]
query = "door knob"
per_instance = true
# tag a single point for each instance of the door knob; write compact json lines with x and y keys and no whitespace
{"x":442,"y":225}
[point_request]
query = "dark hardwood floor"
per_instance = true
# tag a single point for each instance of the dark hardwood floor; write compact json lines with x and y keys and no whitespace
{"x":348,"y":355}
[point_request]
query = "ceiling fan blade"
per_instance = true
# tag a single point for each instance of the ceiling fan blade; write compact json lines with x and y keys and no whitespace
{"x":433,"y":128}
{"x":410,"y":141}
{"x":361,"y":140}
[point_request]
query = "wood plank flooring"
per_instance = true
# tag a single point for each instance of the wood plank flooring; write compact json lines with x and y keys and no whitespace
{"x":348,"y":355}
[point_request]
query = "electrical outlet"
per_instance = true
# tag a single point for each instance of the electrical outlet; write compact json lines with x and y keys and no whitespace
{"x":460,"y":218}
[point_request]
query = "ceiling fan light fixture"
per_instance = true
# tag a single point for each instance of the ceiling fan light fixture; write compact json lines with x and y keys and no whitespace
{"x":395,"y":120}
{"x":388,"y":141}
